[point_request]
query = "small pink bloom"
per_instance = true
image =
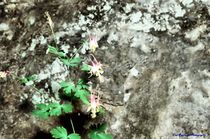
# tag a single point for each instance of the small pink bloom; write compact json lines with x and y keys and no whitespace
{"x":94,"y":105}
{"x":93,"y":44}
{"x":96,"y":69}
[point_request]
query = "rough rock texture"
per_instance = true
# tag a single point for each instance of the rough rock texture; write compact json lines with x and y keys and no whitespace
{"x":156,"y":53}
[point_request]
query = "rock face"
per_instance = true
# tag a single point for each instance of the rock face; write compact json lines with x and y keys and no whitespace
{"x":157,"y":55}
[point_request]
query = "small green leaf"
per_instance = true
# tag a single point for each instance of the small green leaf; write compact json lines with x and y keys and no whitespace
{"x":99,"y":133}
{"x":68,"y":87}
{"x":81,"y":85}
{"x":55,"y":51}
{"x":72,"y":62}
{"x":52,"y":49}
{"x":55,"y":109}
{"x":76,"y":61}
{"x":104,"y":136}
{"x":32,"y":77}
{"x":85,"y":67}
{"x":23,"y":80}
{"x":82,"y":95}
{"x":102,"y":111}
{"x":101,"y":128}
{"x":65,"y":61}
{"x":67,"y":107}
{"x":59,"y":133}
{"x":74,"y":136}
{"x":41,"y":111}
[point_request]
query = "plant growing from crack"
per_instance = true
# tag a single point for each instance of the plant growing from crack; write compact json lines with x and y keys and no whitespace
{"x":79,"y":90}
{"x":75,"y":90}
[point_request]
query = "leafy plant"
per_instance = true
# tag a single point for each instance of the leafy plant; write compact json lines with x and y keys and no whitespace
{"x":71,"y":62}
{"x":54,"y":109}
{"x":80,"y":90}
{"x":86,"y":67}
{"x":99,"y":133}
{"x":61,"y":133}
{"x":82,"y":95}
{"x":68,"y":87}
{"x":55,"y":51}
{"x":81,"y":84}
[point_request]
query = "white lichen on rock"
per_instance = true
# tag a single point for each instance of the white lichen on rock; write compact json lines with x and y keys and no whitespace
{"x":194,"y":34}
{"x":35,"y":41}
{"x":56,"y":72}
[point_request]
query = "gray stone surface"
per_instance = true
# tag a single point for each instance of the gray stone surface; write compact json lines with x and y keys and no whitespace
{"x":157,"y":73}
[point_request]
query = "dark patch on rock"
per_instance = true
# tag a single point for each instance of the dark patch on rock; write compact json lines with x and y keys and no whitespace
{"x":26,"y":106}
{"x":42,"y":135}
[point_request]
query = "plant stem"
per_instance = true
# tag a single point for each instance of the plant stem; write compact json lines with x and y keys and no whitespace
{"x":51,"y":24}
{"x":72,"y":126}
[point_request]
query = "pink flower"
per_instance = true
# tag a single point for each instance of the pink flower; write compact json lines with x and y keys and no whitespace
{"x":94,"y":105}
{"x":96,"y":69}
{"x":93,"y":44}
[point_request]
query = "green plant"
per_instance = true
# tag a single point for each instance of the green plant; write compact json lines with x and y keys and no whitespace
{"x":77,"y":90}
{"x":80,"y":90}
{"x":61,"y":133}
{"x":54,"y":109}
{"x":99,"y":133}
{"x":71,"y":62}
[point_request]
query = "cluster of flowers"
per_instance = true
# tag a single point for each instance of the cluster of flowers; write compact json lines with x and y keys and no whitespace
{"x":96,"y":69}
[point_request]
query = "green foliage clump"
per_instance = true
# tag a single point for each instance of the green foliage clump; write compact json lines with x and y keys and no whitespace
{"x":61,"y":133}
{"x":74,"y":90}
{"x":80,"y":90}
{"x":54,"y":109}
{"x":71,"y":62}
{"x":99,"y":133}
